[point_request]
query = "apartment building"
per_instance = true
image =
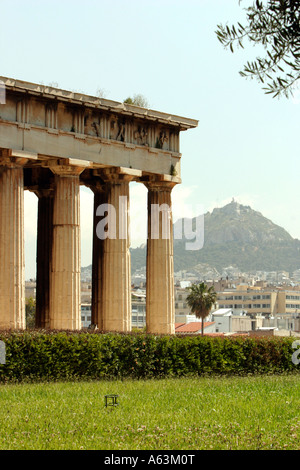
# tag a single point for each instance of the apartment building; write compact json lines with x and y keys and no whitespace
{"x":289,"y":301}
{"x":181,"y":307}
{"x":251,"y":300}
{"x":138,"y":309}
{"x":86,"y":315}
{"x":257,"y":300}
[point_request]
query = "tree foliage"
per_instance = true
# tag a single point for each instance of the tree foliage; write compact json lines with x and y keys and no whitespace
{"x":30,"y":310}
{"x":275,"y":24}
{"x":38,"y":356}
{"x":137,"y":100}
{"x":201,"y":300}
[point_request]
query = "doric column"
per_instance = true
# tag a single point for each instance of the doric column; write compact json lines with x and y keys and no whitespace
{"x":65,"y":289}
{"x":160,"y":306}
{"x":12,"y":258}
{"x":44,"y":252}
{"x":116,"y":270}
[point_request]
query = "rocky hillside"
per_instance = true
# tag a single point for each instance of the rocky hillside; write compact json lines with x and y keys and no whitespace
{"x":235,"y":235}
{"x":237,"y":223}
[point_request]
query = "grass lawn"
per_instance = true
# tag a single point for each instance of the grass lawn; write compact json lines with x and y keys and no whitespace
{"x":172,"y":414}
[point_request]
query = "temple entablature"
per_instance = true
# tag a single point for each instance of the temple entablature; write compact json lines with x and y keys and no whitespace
{"x":54,"y":123}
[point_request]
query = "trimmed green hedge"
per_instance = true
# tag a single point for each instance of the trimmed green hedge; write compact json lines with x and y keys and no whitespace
{"x":49,"y":356}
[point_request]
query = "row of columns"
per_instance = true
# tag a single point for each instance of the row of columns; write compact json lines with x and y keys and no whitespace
{"x":58,"y":253}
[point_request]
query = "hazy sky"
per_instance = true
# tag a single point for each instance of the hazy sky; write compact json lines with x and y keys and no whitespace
{"x":247,"y":143}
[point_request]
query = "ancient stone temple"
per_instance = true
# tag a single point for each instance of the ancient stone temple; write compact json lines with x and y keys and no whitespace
{"x":51,"y":142}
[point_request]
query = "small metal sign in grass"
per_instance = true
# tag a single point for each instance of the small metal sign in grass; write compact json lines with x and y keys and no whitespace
{"x":111,"y":400}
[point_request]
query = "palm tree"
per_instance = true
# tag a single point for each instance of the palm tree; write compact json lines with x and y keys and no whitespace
{"x":200,"y":300}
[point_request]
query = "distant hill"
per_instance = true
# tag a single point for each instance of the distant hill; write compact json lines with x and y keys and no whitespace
{"x":235,"y":235}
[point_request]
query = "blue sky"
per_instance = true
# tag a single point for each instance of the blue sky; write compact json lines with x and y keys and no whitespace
{"x":246,"y":145}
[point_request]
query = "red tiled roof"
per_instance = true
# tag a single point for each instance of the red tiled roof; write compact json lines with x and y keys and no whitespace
{"x":192,"y":327}
{"x":177,"y":325}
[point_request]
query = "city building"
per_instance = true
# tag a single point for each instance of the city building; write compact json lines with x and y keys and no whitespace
{"x":86,"y":315}
{"x":251,"y":300}
{"x":30,"y":289}
{"x":268,"y":301}
{"x":86,"y":292}
{"x":222,"y":319}
{"x":227,"y":322}
{"x":265,"y":307}
{"x":182,"y":310}
{"x":138,"y":309}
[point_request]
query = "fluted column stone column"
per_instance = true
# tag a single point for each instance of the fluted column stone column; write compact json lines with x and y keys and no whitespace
{"x":160,"y":303}
{"x":12,"y":258}
{"x":65,"y":289}
{"x":116,"y":270}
